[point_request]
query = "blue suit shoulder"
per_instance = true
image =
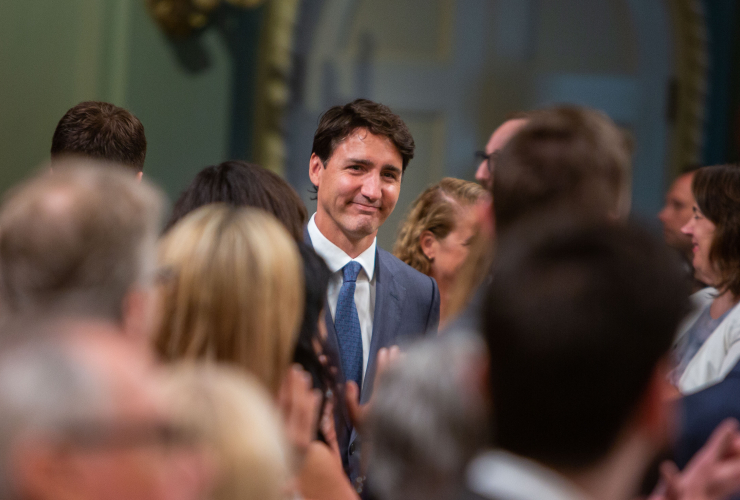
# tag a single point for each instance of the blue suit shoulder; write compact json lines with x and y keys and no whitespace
{"x":407,"y":275}
{"x":422,"y":292}
{"x":703,"y":411}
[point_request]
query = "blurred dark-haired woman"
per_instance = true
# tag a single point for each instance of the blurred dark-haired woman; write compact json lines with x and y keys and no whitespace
{"x":242,"y":184}
{"x":708,"y":346}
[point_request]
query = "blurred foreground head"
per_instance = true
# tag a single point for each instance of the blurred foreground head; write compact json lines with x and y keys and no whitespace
{"x":243,"y":184}
{"x":564,"y":156}
{"x":427,"y":420}
{"x":235,"y":417}
{"x":102,"y":131}
{"x":83,"y":415}
{"x":233,"y":291}
{"x":80,"y":241}
{"x":578,"y":320}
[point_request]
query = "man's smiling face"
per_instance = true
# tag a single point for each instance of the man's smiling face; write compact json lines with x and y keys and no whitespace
{"x":358,"y":187}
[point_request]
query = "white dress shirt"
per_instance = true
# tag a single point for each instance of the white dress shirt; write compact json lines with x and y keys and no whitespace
{"x":336,"y":259}
{"x":503,"y":475}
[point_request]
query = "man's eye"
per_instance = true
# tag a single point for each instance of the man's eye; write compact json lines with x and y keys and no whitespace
{"x":391,"y":175}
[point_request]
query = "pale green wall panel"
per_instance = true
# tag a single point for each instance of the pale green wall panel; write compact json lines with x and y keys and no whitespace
{"x":54,"y":54}
{"x":48,"y":64}
{"x":186,"y":115}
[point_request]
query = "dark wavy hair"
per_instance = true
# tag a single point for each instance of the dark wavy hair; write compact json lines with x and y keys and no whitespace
{"x":243,"y":184}
{"x":338,"y":122}
{"x":562,"y":394}
{"x":100,"y":130}
{"x":717,"y":193}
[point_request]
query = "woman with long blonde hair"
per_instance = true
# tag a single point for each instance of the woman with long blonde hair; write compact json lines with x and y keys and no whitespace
{"x":233,"y":291}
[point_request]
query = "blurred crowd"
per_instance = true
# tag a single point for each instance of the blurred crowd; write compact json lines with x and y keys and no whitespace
{"x":526,"y":339}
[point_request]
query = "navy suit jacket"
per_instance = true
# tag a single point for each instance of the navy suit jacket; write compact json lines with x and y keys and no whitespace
{"x":703,"y":411}
{"x":406,"y":307}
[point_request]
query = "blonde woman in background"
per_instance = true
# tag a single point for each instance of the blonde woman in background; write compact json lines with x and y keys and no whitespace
{"x":234,"y":416}
{"x":234,"y":293}
{"x":437,"y":233}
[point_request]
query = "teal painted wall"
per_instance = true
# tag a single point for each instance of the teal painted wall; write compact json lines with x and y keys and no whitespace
{"x":55,"y":54}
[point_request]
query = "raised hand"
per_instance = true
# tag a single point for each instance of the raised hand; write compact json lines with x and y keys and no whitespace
{"x":357,"y":412}
{"x":713,"y":473}
{"x":299,"y":405}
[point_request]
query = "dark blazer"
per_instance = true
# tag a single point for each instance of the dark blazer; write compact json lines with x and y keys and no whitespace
{"x":703,"y":411}
{"x":406,"y":307}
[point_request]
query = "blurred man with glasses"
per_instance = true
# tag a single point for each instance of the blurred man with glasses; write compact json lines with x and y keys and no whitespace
{"x":499,"y":138}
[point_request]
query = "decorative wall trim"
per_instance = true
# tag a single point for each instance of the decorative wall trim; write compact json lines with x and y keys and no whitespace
{"x":273,"y":74}
{"x":179,"y":18}
{"x":690,"y":87}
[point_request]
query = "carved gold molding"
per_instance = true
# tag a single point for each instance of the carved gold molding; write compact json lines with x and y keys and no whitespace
{"x":691,"y":82}
{"x":179,"y":18}
{"x":273,"y":72}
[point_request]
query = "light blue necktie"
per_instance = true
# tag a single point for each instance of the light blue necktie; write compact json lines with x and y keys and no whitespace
{"x":347,"y":325}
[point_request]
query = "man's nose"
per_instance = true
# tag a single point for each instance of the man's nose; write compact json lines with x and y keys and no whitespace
{"x":371,"y":187}
{"x":482,"y":174}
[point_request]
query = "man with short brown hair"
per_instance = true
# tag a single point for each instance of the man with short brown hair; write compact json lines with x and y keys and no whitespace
{"x":360,"y":152}
{"x":576,"y":373}
{"x":103,"y":131}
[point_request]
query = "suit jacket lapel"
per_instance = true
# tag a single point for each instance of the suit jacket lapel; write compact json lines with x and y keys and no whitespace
{"x":389,"y":296}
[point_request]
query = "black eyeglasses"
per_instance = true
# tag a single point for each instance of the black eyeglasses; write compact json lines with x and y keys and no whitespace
{"x":482,"y":156}
{"x":489,"y":158}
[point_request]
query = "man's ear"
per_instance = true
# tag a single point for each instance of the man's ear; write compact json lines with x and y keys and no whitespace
{"x":485,"y":217}
{"x":428,"y":243}
{"x":139,"y":175}
{"x":315,"y":169}
{"x":655,"y":410}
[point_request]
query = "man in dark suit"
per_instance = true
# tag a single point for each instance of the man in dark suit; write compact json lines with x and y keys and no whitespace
{"x":360,"y":152}
{"x":578,"y":321}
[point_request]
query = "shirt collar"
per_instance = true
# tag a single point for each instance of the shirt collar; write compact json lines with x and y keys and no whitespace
{"x":335,"y":257}
{"x":500,"y":474}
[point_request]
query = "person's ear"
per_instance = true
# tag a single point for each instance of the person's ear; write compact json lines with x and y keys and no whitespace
{"x":315,"y":169}
{"x":656,"y":407}
{"x":484,"y":216}
{"x":139,"y":307}
{"x":429,"y":244}
{"x":139,"y":175}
